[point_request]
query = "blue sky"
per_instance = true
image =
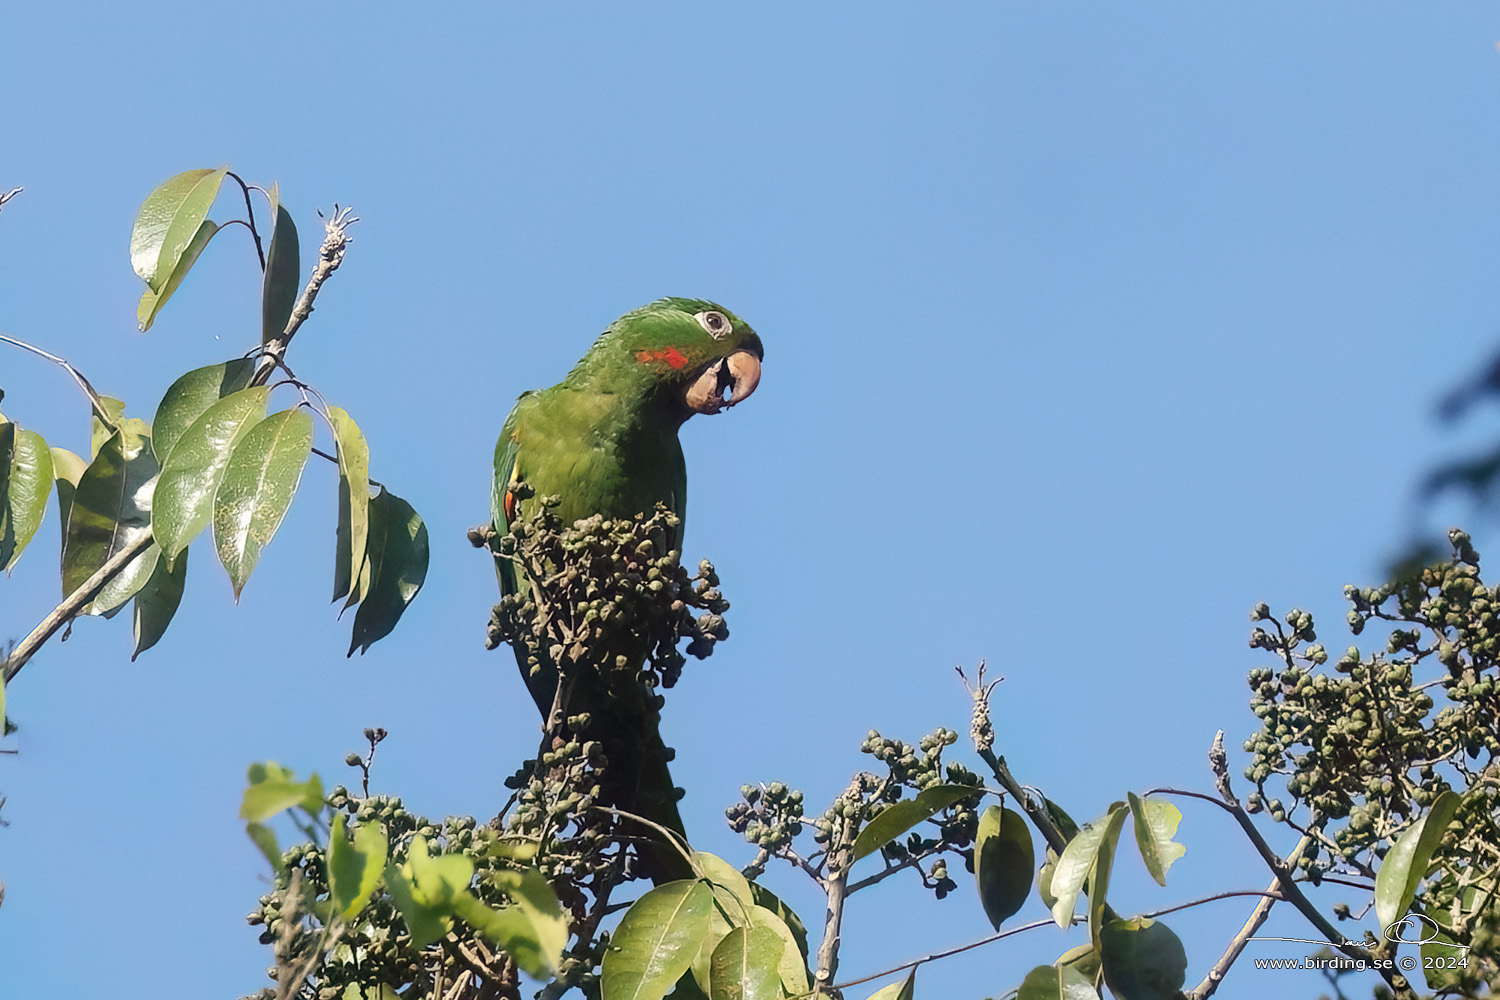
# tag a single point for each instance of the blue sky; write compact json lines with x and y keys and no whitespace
{"x":1087,"y":326}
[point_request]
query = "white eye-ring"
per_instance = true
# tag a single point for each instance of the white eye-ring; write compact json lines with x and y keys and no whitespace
{"x":715,"y":322}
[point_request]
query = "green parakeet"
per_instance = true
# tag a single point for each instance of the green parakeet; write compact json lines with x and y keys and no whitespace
{"x":605,"y":440}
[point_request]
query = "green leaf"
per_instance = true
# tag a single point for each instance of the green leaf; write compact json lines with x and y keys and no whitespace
{"x":437,"y":880}
{"x":1406,"y":863}
{"x":25,"y":482}
{"x":67,"y":469}
{"x":354,"y":868}
{"x":1003,"y":861}
{"x":744,"y":965}
{"x":903,"y":990}
{"x":904,"y":815}
{"x":257,"y":488}
{"x":764,"y":897}
{"x":426,"y":923}
{"x":656,"y":941}
{"x":273,"y":790}
{"x":196,"y":465}
{"x":167,"y":221}
{"x":264,"y":838}
{"x":1142,"y":959}
{"x":532,"y":929}
{"x":113,"y":410}
{"x":283,"y":272}
{"x":1060,"y":819}
{"x":111,"y":509}
{"x":152,"y":300}
{"x":1048,"y":982}
{"x":1083,"y":959}
{"x":156,"y":603}
{"x":733,"y":902}
{"x":792,"y":965}
{"x":354,"y":505}
{"x":191,"y":396}
{"x":1155,"y":824}
{"x":1078,"y":862}
{"x":397,"y":563}
{"x":1441,"y":956}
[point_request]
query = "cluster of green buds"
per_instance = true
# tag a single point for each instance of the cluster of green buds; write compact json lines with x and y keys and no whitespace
{"x":605,"y":594}
{"x":377,"y":948}
{"x":1361,"y":751}
{"x":770,"y":816}
{"x":553,"y":809}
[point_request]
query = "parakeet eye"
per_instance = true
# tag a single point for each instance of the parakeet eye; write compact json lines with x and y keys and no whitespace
{"x":716,"y":323}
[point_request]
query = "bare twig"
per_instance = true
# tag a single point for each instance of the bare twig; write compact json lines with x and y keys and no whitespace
{"x":840,"y":860}
{"x":1282,"y":869}
{"x":6,"y":196}
{"x":250,"y":213}
{"x":88,"y":390}
{"x":1253,"y":923}
{"x":1023,"y":928}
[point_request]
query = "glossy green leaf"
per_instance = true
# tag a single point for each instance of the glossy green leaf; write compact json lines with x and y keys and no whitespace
{"x":191,"y":396}
{"x":67,"y":469}
{"x":152,"y":300}
{"x":113,"y":412}
{"x":273,"y":789}
{"x":764,"y":897}
{"x":656,"y":941}
{"x":902,"y":816}
{"x":1004,"y":859}
{"x":733,"y":902}
{"x":167,"y":221}
{"x":1406,"y":863}
{"x":283,"y":272}
{"x":354,"y":505}
{"x":1048,"y":982}
{"x":1155,"y":825}
{"x":904,"y":990}
{"x":354,"y":868}
{"x":1142,"y":959}
{"x":531,"y":928}
{"x":745,"y":964}
{"x":111,"y":509}
{"x":25,"y":482}
{"x":1079,"y":861}
{"x":397,"y":563}
{"x":196,"y":465}
{"x":156,"y":603}
{"x":257,"y":488}
{"x":792,"y":964}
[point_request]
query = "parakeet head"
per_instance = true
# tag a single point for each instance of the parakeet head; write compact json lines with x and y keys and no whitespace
{"x":685,"y":353}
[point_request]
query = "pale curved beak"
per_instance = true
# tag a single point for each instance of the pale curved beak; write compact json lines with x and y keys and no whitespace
{"x":735,"y":377}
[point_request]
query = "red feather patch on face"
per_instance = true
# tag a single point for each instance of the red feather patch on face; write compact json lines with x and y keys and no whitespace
{"x":670,"y":355}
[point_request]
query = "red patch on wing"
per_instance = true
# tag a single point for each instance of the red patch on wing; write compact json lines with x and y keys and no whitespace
{"x":510,"y":506}
{"x":670,"y":355}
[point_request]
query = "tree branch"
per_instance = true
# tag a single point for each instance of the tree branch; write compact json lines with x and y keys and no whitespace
{"x":1253,"y":923}
{"x":330,"y":256}
{"x":74,"y":602}
{"x":88,"y":390}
